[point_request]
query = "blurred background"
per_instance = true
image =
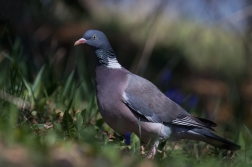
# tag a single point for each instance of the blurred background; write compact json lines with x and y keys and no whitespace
{"x":197,"y":52}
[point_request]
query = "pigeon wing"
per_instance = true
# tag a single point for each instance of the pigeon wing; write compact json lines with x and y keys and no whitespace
{"x":146,"y":99}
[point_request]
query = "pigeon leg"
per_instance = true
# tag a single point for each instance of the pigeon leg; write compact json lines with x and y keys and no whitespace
{"x":153,"y":150}
{"x":142,"y":150}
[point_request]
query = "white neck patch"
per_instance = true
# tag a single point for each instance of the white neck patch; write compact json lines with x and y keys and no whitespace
{"x":113,"y":63}
{"x":108,"y":58}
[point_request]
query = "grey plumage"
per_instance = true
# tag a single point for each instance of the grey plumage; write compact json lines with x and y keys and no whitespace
{"x":127,"y":101}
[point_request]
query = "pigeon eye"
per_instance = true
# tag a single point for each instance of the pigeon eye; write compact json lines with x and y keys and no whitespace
{"x":94,"y":37}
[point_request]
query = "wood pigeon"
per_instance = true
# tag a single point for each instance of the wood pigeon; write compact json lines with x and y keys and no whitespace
{"x":130,"y":103}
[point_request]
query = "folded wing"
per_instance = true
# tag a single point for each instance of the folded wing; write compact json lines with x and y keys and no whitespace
{"x":144,"y":98}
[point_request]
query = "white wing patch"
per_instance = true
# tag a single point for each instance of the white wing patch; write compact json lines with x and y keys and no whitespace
{"x":126,"y":101}
{"x":125,"y":97}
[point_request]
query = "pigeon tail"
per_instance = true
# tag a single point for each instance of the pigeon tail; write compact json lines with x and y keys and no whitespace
{"x":200,"y":134}
{"x":211,"y":138}
{"x":217,"y":141}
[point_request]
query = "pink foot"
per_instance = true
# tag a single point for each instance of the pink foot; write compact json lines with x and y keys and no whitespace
{"x":153,"y":150}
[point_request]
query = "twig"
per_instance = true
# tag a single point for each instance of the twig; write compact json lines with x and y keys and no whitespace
{"x":21,"y":104}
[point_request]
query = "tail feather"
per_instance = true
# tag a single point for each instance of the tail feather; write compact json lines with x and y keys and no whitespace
{"x":213,"y":139}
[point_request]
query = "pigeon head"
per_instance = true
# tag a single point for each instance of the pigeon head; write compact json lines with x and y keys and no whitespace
{"x":98,"y":41}
{"x":95,"y":39}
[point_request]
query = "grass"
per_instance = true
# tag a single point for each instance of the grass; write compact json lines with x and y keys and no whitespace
{"x":60,"y":125}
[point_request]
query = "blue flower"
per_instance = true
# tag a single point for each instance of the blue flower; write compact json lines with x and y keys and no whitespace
{"x":127,"y":138}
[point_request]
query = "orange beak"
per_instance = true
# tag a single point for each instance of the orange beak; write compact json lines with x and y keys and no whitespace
{"x":80,"y":41}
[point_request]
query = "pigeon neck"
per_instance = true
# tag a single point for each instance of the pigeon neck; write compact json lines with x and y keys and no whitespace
{"x":107,"y":58}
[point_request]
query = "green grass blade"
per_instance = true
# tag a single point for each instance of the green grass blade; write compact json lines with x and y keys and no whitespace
{"x":248,"y":131}
{"x":139,"y":127}
{"x":79,"y":120}
{"x":30,"y":91}
{"x":67,"y":85}
{"x":36,"y":87}
{"x":7,"y":56}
